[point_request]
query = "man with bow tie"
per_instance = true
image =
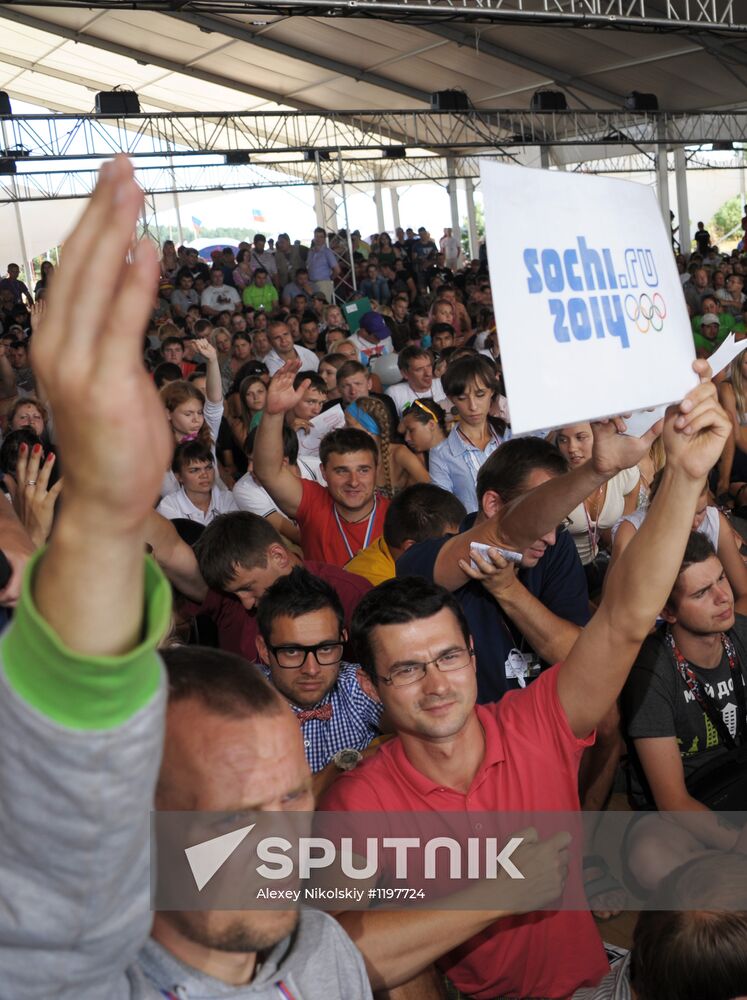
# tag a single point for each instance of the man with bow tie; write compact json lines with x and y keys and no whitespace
{"x":301,"y":637}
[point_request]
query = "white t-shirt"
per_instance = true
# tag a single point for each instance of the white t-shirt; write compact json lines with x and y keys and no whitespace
{"x":179,"y":505}
{"x":249,"y":495}
{"x":583,"y":530}
{"x":369,"y":350}
{"x":402,"y":393}
{"x":710,"y":525}
{"x":220,"y":297}
{"x":309,"y":360}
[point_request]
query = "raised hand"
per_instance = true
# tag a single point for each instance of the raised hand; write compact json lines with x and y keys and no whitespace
{"x":615,"y":450}
{"x":206,"y":349}
{"x":110,"y":424}
{"x":696,"y":431}
{"x":281,"y":396}
{"x":34,"y":501}
{"x":37,"y":311}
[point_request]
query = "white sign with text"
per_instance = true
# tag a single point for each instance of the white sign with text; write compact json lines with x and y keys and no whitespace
{"x":588,"y":303}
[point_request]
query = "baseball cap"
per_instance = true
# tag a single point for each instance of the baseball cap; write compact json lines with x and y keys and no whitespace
{"x":708,"y":319}
{"x":374,"y":323}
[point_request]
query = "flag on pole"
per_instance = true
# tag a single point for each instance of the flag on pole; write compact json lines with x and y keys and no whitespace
{"x":257,"y":215}
{"x":197,"y":225}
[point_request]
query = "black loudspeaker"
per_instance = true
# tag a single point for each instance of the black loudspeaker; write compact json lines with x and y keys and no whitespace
{"x":449,"y":100}
{"x":117,"y":102}
{"x":7,"y":166}
{"x":548,"y":100}
{"x":636,"y":101}
{"x":4,"y":104}
{"x":237,"y":157}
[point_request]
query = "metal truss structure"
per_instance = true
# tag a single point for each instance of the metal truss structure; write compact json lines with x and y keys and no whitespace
{"x":330,"y":178}
{"x":327,"y":176}
{"x":717,"y":15}
{"x":256,"y":134}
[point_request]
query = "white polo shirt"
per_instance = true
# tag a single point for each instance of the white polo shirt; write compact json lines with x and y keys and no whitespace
{"x":309,"y":360}
{"x":178,"y":504}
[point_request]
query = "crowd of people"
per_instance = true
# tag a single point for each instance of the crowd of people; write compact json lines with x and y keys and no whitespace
{"x":311,"y":455}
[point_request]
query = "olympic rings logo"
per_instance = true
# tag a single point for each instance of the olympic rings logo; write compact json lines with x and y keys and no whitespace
{"x":646,"y":312}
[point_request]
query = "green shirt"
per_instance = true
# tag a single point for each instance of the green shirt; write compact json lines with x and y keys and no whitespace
{"x":704,"y":343}
{"x":725,"y":325}
{"x":260,"y":298}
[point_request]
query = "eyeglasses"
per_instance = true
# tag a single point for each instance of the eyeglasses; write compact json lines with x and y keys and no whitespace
{"x":326,"y":654}
{"x":420,"y":406}
{"x":405,"y":673}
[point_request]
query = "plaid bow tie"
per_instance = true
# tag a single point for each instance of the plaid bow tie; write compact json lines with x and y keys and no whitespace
{"x":323,"y":713}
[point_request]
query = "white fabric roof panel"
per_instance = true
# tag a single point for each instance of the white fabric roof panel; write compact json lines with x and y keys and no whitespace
{"x":411,"y":60}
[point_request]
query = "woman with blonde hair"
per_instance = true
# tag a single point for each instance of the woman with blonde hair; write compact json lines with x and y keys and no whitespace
{"x":732,"y":469}
{"x":398,"y":467}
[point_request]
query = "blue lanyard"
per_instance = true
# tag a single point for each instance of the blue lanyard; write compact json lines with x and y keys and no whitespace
{"x":369,"y":529}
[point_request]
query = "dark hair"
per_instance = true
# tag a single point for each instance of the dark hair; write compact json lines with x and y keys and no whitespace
{"x":15,"y":344}
{"x":442,"y":328}
{"x":334,"y":359}
{"x":167,"y":371}
{"x":698,"y":550}
{"x":309,"y":317}
{"x":352,"y":368}
{"x":12,"y":444}
{"x":409,"y":354}
{"x":167,"y":342}
{"x":397,"y":602}
{"x":345,"y":440}
{"x":689,"y":946}
{"x":231,"y":540}
{"x":439,"y":414}
{"x":419,"y":512}
{"x":295,"y":594}
{"x":203,"y":326}
{"x":506,"y":470}
{"x":290,"y":444}
{"x":190,"y":451}
{"x":223,"y":682}
{"x":315,"y":381}
{"x":260,"y":270}
{"x":466,"y":370}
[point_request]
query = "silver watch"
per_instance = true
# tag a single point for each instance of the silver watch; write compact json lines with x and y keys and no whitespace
{"x":347,"y":759}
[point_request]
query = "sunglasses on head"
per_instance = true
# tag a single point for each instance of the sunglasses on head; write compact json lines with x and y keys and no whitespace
{"x":421,"y":406}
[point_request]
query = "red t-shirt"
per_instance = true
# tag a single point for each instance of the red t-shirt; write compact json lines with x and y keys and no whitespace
{"x":237,"y":627}
{"x":530,"y":764}
{"x":322,"y":539}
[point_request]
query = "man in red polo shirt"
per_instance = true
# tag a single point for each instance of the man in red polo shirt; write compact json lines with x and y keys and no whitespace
{"x":340,"y":521}
{"x":522,"y":753}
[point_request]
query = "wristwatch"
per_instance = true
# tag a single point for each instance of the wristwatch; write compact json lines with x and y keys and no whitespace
{"x":347,"y":759}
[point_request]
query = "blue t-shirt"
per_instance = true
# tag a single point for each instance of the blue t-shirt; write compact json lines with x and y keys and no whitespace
{"x":558,"y":581}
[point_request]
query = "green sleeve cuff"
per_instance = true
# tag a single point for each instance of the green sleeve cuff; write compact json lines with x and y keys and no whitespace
{"x":77,"y":691}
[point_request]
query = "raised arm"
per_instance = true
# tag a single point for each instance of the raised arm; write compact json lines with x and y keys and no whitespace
{"x":213,"y":382}
{"x":641,"y":580}
{"x":81,"y":686}
{"x":539,"y":512}
{"x":91,"y":593}
{"x":284,"y":487}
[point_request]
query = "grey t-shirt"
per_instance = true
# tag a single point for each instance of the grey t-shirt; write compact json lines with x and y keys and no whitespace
{"x":657,"y":703}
